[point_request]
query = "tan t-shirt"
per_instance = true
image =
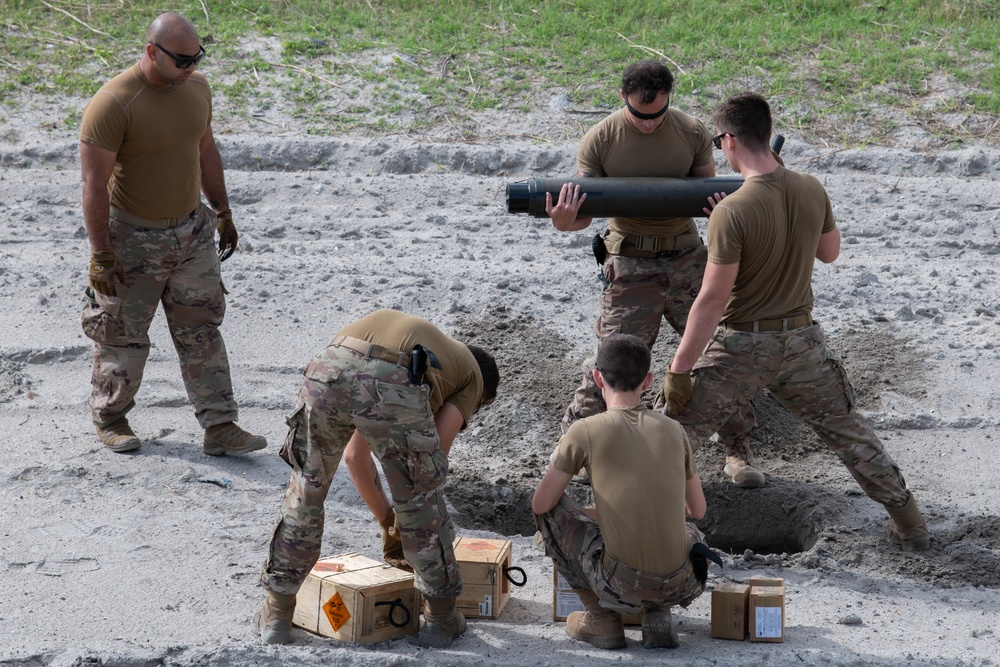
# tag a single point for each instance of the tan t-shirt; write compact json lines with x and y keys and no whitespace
{"x":614,"y":148}
{"x":638,"y":461}
{"x":771,"y":226}
{"x":459,"y":381}
{"x":155,"y":135}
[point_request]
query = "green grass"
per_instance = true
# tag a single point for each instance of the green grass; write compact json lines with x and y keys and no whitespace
{"x":830,"y":67}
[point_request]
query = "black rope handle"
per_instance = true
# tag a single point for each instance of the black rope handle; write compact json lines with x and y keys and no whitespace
{"x":524,"y":577}
{"x":398,"y":602}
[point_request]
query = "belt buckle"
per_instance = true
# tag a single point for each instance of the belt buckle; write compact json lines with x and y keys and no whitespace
{"x":647,"y":243}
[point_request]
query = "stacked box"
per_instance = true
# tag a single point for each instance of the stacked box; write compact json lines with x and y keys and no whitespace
{"x":565,"y":601}
{"x":357,"y":599}
{"x":483,"y":564}
{"x":767,"y":612}
{"x":730,"y":611}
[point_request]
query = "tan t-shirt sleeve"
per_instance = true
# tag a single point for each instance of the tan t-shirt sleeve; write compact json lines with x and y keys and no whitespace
{"x":104,"y":122}
{"x":572,"y":452}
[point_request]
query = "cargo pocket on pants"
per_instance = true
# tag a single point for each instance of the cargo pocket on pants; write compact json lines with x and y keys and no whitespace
{"x":838,"y":366}
{"x":101,"y":319}
{"x":292,"y":450}
{"x":426,"y":462}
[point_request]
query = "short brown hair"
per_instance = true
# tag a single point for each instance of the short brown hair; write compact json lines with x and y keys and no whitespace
{"x":624,"y":361}
{"x":488,"y":369}
{"x":746,"y":116}
{"x":648,"y":78}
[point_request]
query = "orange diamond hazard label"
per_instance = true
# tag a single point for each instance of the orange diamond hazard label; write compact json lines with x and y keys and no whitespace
{"x":479,"y":545}
{"x":336,"y":612}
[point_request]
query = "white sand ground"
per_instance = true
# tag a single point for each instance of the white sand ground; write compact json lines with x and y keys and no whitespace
{"x":140,"y":560}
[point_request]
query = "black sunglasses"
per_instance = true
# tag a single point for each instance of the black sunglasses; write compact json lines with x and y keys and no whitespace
{"x":717,"y":139}
{"x":183,"y":62}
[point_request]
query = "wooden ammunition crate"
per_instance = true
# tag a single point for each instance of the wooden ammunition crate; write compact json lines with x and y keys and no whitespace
{"x":484,"y":565}
{"x":357,"y":599}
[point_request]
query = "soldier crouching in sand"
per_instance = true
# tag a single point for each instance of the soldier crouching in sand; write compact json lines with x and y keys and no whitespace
{"x":640,"y":555}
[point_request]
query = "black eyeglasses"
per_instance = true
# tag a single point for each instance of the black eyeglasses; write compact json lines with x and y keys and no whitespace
{"x":183,"y":62}
{"x":717,"y":139}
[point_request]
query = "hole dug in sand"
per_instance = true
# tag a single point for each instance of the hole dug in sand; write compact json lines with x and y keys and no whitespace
{"x":783,"y":517}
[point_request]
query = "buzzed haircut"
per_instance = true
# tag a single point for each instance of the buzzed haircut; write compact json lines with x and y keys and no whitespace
{"x":747,"y":116}
{"x":490,"y":372}
{"x":647,"y":79}
{"x":624,"y":361}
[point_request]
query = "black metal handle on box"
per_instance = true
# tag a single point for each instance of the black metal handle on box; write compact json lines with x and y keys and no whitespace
{"x":524,"y":576}
{"x":393,"y":605}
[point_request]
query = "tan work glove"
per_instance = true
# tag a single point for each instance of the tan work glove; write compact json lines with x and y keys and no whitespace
{"x":104,"y":268}
{"x":392,"y":546}
{"x":677,"y":391}
{"x":227,"y":235}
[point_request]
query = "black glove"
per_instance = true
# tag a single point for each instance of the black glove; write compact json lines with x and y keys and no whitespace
{"x":700,"y":555}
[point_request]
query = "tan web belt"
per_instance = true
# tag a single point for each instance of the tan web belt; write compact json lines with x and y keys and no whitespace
{"x":765,"y":326}
{"x":632,"y":577}
{"x":634,"y":245}
{"x":162,"y":223}
{"x":372,"y":351}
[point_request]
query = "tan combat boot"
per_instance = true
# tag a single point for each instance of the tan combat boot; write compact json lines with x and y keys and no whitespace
{"x":597,"y":626}
{"x":229,"y":438}
{"x":118,"y":436}
{"x":274,"y":620}
{"x":741,"y":467}
{"x":443,"y":623}
{"x":907,"y":529}
{"x":658,"y":629}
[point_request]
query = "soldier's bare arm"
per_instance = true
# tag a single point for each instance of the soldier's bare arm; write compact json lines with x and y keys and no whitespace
{"x":694,"y":498}
{"x":550,"y":490}
{"x":716,"y":288}
{"x":364,"y":474}
{"x":829,"y":246}
{"x":449,"y":421}
{"x":96,"y":165}
{"x":213,"y":179}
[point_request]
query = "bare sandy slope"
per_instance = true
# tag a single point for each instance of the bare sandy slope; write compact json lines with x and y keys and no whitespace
{"x":152,"y":558}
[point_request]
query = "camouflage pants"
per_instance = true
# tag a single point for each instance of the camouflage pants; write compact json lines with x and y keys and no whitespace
{"x":573,"y":541}
{"x":342,"y":391}
{"x":806,"y":377}
{"x":179,"y":268}
{"x":639,"y":293}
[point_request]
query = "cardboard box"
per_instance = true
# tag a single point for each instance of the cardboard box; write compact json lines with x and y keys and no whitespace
{"x":483,"y":564}
{"x":565,"y":601}
{"x":730,"y":611}
{"x":357,"y":599}
{"x":766,"y":581}
{"x":767,"y":613}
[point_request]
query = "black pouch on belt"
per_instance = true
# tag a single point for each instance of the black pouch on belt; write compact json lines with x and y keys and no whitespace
{"x":600,"y":251}
{"x":418,"y":363}
{"x":700,"y":555}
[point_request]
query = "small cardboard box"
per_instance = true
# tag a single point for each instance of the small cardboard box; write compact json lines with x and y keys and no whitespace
{"x":483,"y":564}
{"x":766,"y":581}
{"x":357,"y":599}
{"x":767,"y":613}
{"x":730,"y":611}
{"x":565,"y":601}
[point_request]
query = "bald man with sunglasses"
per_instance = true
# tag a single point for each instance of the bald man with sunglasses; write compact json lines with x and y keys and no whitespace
{"x":147,"y":154}
{"x":652,"y":267}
